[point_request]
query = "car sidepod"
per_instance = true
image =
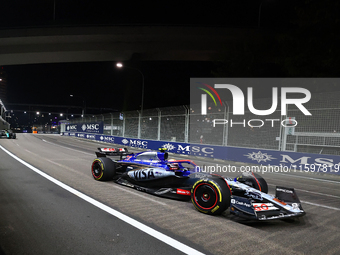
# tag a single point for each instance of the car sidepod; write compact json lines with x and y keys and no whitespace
{"x":157,"y":181}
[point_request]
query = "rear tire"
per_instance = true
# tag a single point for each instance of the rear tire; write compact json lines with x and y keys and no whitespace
{"x":211,"y":196}
{"x":253,"y":180}
{"x":103,"y":169}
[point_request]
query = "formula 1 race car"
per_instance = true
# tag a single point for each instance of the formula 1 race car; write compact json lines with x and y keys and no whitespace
{"x":8,"y":134}
{"x":154,"y":173}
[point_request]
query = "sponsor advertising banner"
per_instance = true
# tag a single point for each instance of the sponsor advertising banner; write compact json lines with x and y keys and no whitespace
{"x":268,"y":160}
{"x":95,"y":127}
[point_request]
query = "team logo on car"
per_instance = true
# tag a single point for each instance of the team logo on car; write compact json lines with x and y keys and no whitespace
{"x":259,"y":156}
{"x":144,"y":174}
{"x":264,"y":207}
{"x":253,"y":194}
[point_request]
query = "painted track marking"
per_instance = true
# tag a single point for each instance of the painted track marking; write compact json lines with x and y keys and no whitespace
{"x":324,"y":206}
{"x":148,"y":230}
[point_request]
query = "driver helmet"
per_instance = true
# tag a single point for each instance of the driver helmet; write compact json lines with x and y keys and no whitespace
{"x":174,"y":166}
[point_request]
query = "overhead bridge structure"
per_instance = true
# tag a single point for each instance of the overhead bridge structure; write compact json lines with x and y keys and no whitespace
{"x":119,"y":43}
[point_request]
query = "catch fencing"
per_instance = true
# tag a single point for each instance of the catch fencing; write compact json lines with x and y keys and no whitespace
{"x":318,"y":133}
{"x":167,"y":124}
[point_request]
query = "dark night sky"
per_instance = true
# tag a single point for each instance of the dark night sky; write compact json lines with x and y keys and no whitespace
{"x":105,"y":86}
{"x":227,"y":12}
{"x":102,"y":84}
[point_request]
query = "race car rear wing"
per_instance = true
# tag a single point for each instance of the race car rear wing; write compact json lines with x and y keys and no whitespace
{"x":103,"y":152}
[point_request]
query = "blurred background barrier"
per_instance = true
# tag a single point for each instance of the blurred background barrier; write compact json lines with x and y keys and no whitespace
{"x":261,"y":160}
{"x":319,"y":133}
{"x":3,"y":123}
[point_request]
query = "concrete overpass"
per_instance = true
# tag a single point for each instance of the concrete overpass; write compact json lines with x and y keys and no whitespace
{"x":119,"y":43}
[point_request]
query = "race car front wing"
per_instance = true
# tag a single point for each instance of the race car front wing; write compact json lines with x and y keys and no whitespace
{"x":261,"y":206}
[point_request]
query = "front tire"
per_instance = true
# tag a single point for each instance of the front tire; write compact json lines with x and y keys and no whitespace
{"x":103,"y":169}
{"x":211,"y":196}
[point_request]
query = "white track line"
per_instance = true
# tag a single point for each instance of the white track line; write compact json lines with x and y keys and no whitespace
{"x":324,"y":206}
{"x":150,"y":231}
